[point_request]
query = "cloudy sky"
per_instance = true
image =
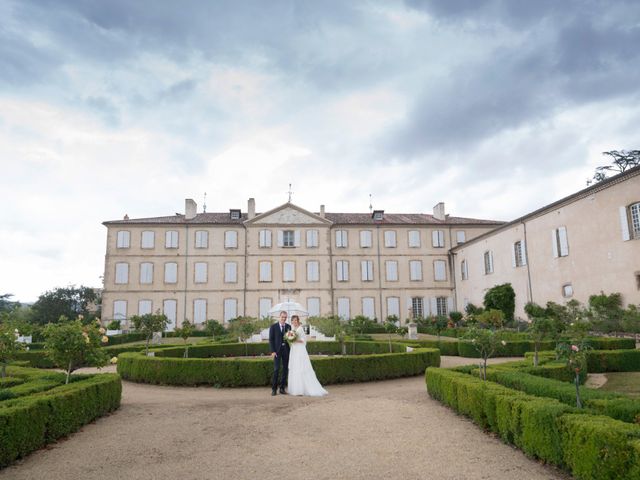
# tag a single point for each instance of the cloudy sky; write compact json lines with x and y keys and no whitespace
{"x":495,"y":107}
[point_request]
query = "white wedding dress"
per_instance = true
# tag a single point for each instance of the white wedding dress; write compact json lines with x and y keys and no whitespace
{"x":302,"y":379}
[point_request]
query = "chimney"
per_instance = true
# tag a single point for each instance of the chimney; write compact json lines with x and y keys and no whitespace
{"x":190,"y":209}
{"x":251,"y":209}
{"x":438,"y":211}
{"x":322,"y":211}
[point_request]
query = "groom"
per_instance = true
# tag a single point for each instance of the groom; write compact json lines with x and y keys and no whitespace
{"x":279,"y":351}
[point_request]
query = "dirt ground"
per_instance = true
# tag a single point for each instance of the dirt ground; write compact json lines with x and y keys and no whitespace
{"x":388,"y":429}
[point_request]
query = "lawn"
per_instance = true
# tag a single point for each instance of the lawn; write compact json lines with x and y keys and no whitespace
{"x":623,"y":382}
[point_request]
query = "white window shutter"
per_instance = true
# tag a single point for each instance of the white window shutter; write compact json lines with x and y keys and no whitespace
{"x":434,"y":306}
{"x":409,"y":306}
{"x":624,"y":224}
{"x":491,"y":261}
{"x":524,"y":252}
{"x":564,"y":242}
{"x":450,"y":306}
{"x":513,"y":255}
{"x":280,"y":238}
{"x":434,"y":238}
{"x":296,"y":238}
{"x":554,"y":242}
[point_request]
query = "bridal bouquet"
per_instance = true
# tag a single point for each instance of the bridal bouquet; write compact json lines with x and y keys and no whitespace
{"x":290,"y":336}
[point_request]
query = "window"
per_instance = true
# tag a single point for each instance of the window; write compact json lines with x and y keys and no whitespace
{"x":170,"y":272}
{"x":414,"y":239}
{"x":560,"y":243}
{"x":170,"y":308}
{"x":200,"y":272}
{"x":464,"y":270}
{"x":265,"y":271}
{"x":122,"y":273}
{"x":378,"y":214}
{"x":122,"y":239}
{"x":342,"y":239}
{"x":148,"y":239}
{"x":637,"y":274}
{"x":288,"y":238}
{"x":144,"y":307}
{"x":313,"y":306}
{"x":390,"y":238}
{"x":441,"y":306}
{"x":312,"y":238}
{"x":365,"y":238}
{"x":202,"y":239}
{"x":313,"y":271}
{"x":630,"y":221}
{"x":230,"y":309}
{"x":391,"y":267}
{"x":199,"y":310}
{"x":417,"y":307}
{"x":460,"y":237}
{"x":415,"y":270}
{"x":235,"y":214}
{"x":289,"y":272}
{"x":146,"y":272}
{"x":634,"y":214}
{"x":171,"y":239}
{"x":440,"y":270}
{"x":343,"y":308}
{"x":366,"y":267}
{"x":230,"y":272}
{"x":518,"y":254}
{"x":437,"y":238}
{"x":369,"y":307}
{"x":342,"y":271}
{"x":265,"y":239}
{"x":488,"y":262}
{"x":120,"y":310}
{"x":230,"y":239}
{"x":264,"y":306}
{"x":393,"y":306}
{"x":567,"y":290}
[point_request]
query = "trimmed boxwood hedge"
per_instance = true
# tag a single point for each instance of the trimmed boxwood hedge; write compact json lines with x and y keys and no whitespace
{"x":590,"y":446}
{"x":601,"y":361}
{"x":29,"y":422}
{"x":168,"y":368}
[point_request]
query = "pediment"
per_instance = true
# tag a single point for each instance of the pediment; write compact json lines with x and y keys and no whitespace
{"x":289,"y":214}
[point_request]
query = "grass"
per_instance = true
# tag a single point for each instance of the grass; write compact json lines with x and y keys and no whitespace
{"x":623,"y":382}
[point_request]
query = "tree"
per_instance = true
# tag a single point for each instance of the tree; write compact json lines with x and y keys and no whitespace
{"x":214,"y":329}
{"x":244,"y":327}
{"x":606,"y":312}
{"x":71,"y":345}
{"x":68,"y":302}
{"x":185,"y":331}
{"x":6,"y":305}
{"x":631,"y":319}
{"x":440,"y":323}
{"x":149,"y":324}
{"x":501,"y":297}
{"x":575,"y":356}
{"x":492,"y":318}
{"x":486,"y":343}
{"x":331,"y":327}
{"x":622,"y":160}
{"x":391,"y":327}
{"x":9,"y":345}
{"x":540,"y":329}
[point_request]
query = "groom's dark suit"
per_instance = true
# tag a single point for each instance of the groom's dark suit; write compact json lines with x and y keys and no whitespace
{"x":279,"y":345}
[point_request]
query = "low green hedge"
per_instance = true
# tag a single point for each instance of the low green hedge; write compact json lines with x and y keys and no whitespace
{"x":446,"y":347}
{"x":126,"y":338}
{"x":167,"y":368}
{"x":589,"y":446}
{"x":27,"y":423}
{"x":601,"y":361}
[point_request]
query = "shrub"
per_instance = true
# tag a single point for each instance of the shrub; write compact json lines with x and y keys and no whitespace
{"x":126,"y":338}
{"x":600,"y":361}
{"x":503,"y":298}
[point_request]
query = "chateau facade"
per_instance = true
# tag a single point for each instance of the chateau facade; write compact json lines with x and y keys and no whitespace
{"x":219,"y":266}
{"x":581,"y":245}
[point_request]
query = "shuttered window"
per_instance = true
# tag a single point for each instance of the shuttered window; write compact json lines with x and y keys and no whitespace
{"x":313,"y":306}
{"x":560,"y":242}
{"x":414,"y":239}
{"x":200,"y":272}
{"x":464,"y":270}
{"x":199,"y":311}
{"x":120,"y":310}
{"x":440,"y":270}
{"x":230,"y":272}
{"x":437,"y":238}
{"x":144,"y":307}
{"x":265,"y":239}
{"x":415,"y":270}
{"x":365,"y":238}
{"x":488,"y":262}
{"x":366,"y":267}
{"x":312,"y":238}
{"x":369,"y":307}
{"x":264,"y":306}
{"x":393,"y":306}
{"x":460,"y":237}
{"x":390,"y":238}
{"x":265,"y":271}
{"x":230,"y":309}
{"x":342,"y":239}
{"x":147,"y":239}
{"x":170,"y":309}
{"x":146,"y":273}
{"x":230,"y":239}
{"x":123,"y":239}
{"x":171,"y":272}
{"x":289,"y":272}
{"x":342,"y":271}
{"x":171,"y":239}
{"x":122,"y":273}
{"x":313,"y":271}
{"x":391,"y":267}
{"x":344,"y":308}
{"x":202,"y":239}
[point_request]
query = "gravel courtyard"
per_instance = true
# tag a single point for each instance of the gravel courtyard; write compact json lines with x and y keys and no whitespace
{"x":388,"y":429}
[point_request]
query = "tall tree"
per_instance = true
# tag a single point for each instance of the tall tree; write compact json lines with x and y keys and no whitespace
{"x":65,"y":301}
{"x":622,"y":160}
{"x":7,"y":305}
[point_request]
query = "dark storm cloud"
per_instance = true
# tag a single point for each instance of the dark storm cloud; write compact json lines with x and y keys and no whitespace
{"x":554,"y":62}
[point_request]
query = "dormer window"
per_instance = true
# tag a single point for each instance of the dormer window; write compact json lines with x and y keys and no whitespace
{"x":378,"y":214}
{"x":234,"y":214}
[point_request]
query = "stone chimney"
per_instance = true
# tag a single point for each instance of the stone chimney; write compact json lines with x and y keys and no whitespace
{"x":251,"y":209}
{"x":190,"y":209}
{"x":438,"y":211}
{"x":322,"y":211}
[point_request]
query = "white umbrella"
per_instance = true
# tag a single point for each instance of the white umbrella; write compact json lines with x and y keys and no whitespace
{"x":292,"y":308}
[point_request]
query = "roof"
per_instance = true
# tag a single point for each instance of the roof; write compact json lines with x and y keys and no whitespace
{"x":223,"y":218}
{"x":574,"y":197}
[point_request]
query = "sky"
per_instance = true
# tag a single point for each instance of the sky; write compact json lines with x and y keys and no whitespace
{"x":107,"y":108}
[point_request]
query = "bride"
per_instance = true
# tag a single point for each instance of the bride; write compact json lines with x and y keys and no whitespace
{"x":302,"y":378}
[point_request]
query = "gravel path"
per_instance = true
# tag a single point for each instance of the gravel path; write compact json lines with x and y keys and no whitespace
{"x":367,"y":431}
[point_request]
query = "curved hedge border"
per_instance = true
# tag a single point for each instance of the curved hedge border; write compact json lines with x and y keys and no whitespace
{"x":589,"y":446}
{"x":27,"y":423}
{"x":166,"y":368}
